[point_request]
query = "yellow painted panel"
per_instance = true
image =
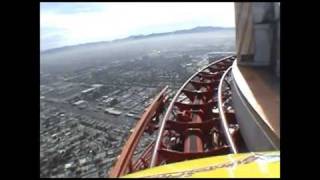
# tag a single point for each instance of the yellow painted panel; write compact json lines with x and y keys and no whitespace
{"x":252,"y":165}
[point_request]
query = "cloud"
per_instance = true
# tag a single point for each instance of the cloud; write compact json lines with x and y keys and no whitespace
{"x":88,"y":22}
{"x":71,"y":8}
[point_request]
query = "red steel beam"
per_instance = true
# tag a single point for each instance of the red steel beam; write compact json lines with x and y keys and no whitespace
{"x":183,"y":126}
{"x":193,"y":141}
{"x":124,"y":159}
{"x":145,"y":157}
{"x":175,"y":156}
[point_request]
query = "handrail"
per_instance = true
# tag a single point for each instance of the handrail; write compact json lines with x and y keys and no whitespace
{"x":223,"y":117}
{"x":165,"y":118}
{"x":125,"y":157}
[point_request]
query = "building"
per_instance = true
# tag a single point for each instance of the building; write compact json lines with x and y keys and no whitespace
{"x":112,"y":111}
{"x":256,"y":84}
{"x":81,"y":104}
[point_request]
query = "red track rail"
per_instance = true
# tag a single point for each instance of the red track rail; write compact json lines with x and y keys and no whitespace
{"x":198,"y":123}
{"x":124,"y":163}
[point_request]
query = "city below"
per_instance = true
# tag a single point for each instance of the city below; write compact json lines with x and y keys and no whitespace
{"x":87,"y":111}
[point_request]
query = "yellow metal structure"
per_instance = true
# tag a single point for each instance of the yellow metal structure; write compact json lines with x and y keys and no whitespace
{"x":246,"y":165}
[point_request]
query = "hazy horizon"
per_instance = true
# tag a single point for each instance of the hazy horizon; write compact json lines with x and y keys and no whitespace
{"x":92,"y":42}
{"x":69,"y":24}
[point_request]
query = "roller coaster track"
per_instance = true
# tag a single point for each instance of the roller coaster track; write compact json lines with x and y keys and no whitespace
{"x":198,"y":122}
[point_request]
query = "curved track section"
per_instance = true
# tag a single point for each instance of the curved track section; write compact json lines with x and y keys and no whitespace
{"x":199,"y":122}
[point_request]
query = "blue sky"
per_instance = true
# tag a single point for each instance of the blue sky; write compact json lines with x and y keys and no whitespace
{"x":63,"y":24}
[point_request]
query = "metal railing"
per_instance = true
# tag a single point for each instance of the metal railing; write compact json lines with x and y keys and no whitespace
{"x":222,"y":115}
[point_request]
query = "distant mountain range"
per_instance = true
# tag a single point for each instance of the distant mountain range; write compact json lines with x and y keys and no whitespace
{"x":198,"y":29}
{"x":185,"y":31}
